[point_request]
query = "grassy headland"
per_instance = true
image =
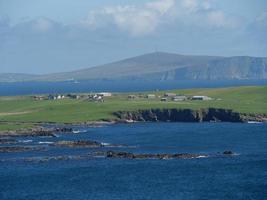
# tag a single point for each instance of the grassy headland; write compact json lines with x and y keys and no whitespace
{"x":23,"y":111}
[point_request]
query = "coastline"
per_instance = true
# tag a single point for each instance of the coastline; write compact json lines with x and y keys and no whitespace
{"x":210,"y":115}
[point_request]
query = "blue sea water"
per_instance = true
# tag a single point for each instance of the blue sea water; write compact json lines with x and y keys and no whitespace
{"x":242,"y":176}
{"x":28,"y":88}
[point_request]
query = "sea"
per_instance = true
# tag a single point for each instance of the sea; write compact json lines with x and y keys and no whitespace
{"x":30,"y":88}
{"x":240,"y":176}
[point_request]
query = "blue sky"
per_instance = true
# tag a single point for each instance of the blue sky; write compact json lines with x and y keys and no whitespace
{"x":38,"y":36}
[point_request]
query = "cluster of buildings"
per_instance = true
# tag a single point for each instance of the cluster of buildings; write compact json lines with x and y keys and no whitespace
{"x":170,"y":97}
{"x":99,"y":97}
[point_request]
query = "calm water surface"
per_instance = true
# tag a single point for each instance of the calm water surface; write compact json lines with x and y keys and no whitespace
{"x":27,"y":88}
{"x":243,"y":176}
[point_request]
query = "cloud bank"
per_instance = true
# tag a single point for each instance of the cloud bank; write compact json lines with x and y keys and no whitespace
{"x":110,"y":33}
{"x":145,"y":19}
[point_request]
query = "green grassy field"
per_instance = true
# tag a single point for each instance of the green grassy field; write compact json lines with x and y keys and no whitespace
{"x":24,"y":109}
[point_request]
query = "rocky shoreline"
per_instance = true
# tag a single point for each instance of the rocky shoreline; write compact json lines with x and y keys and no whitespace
{"x":188,"y":115}
{"x":150,"y":115}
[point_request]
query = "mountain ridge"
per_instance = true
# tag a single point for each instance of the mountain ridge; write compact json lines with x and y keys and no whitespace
{"x":163,"y":66}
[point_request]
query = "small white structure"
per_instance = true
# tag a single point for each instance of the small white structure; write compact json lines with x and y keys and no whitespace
{"x":55,"y":97}
{"x":60,"y":96}
{"x":151,"y":96}
{"x":179,"y":98}
{"x":169,"y":94}
{"x":104,"y":94}
{"x":203,"y":98}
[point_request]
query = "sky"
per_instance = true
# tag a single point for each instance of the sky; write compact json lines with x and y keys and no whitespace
{"x":39,"y":37}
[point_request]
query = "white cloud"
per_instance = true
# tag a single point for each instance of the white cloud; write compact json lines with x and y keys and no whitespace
{"x":262,"y":20}
{"x":217,"y":18}
{"x":133,"y":19}
{"x":190,"y":4}
{"x":162,"y":6}
{"x":204,"y":13}
{"x":42,"y":25}
{"x":145,"y":19}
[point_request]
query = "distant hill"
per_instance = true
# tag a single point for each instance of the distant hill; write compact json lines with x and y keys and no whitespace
{"x":166,"y":66}
{"x":15,"y":77}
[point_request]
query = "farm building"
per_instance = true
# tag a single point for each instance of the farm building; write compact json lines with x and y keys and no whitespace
{"x":179,"y":98}
{"x":104,"y":94}
{"x":96,"y":98}
{"x":169,"y":95}
{"x":151,"y":96}
{"x":55,"y":97}
{"x":38,"y":98}
{"x":203,"y":98}
{"x":132,"y":97}
{"x":73,"y":96}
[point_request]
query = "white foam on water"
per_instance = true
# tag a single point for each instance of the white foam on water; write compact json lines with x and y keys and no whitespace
{"x":45,"y":142}
{"x":78,"y":131}
{"x":105,"y":144}
{"x":254,"y":122}
{"x":75,"y":132}
{"x":25,"y":141}
{"x":202,"y":156}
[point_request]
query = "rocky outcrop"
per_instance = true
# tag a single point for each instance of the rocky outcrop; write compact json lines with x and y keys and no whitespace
{"x":10,"y":149}
{"x":254,"y":117}
{"x":228,"y":153}
{"x":115,"y":155}
{"x":79,"y":143}
{"x":127,"y":155}
{"x":7,"y":141}
{"x":36,"y":131}
{"x":181,"y":115}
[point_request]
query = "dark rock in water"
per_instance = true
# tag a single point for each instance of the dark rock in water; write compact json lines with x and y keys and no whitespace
{"x":10,"y":149}
{"x":36,"y":131}
{"x":32,"y":132}
{"x":64,"y":130}
{"x":55,"y":158}
{"x":79,"y":143}
{"x":112,"y":154}
{"x":127,"y":155}
{"x":7,"y":141}
{"x":228,"y":153}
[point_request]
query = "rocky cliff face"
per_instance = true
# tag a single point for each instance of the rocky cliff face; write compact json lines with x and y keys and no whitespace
{"x":185,"y":115}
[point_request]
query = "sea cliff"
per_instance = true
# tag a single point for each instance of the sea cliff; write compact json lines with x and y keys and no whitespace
{"x":188,"y":115}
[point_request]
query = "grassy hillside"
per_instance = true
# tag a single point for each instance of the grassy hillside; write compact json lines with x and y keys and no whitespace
{"x":25,"y":109}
